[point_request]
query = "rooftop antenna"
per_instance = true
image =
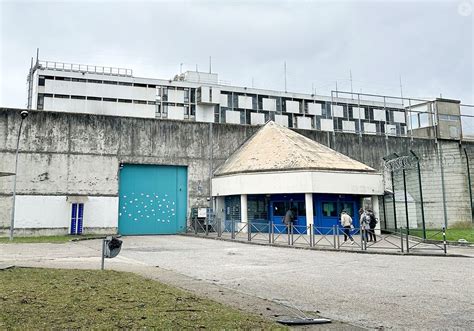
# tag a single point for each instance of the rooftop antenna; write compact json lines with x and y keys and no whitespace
{"x":181,"y":68}
{"x":196,"y":67}
{"x":350,"y":74}
{"x":210,"y":64}
{"x":337,"y":94}
{"x":285,"y":74}
{"x":401,"y":89}
{"x":37,"y":55}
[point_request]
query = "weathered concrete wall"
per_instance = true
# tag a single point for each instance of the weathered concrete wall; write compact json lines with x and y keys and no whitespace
{"x":78,"y":154}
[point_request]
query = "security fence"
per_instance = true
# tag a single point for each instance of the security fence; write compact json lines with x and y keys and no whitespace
{"x":329,"y":238}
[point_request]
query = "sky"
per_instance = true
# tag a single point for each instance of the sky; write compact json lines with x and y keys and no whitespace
{"x":427,"y":46}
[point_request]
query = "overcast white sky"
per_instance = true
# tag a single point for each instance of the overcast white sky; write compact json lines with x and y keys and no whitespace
{"x":428,"y":43}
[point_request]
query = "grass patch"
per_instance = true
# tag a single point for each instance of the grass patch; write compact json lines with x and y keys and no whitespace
{"x":46,"y":239}
{"x":89,"y":299}
{"x":451,"y":234}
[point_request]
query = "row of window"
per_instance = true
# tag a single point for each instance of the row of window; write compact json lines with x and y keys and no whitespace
{"x":42,"y":79}
{"x":41,"y":97}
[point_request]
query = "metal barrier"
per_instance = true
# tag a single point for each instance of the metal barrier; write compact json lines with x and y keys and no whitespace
{"x":315,"y":237}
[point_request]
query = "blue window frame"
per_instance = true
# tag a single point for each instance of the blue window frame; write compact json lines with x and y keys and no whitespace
{"x":77,"y":213}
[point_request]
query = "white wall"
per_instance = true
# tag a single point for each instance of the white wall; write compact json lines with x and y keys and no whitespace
{"x":379,"y":115}
{"x":390,"y":129}
{"x":224,"y":100}
{"x":282,"y":120}
{"x":292,"y":106}
{"x":348,"y":126}
{"x":205,"y":113}
{"x":304,"y":122}
{"x":245,"y":102}
{"x":232,"y":117}
{"x":33,"y":211}
{"x":176,"y":96}
{"x":176,"y":113}
{"x":399,"y":117}
{"x":315,"y":109}
{"x":337,"y":111}
{"x":269,"y":104}
{"x":358,"y":113}
{"x":327,"y":124}
{"x":369,"y":128}
{"x":257,"y":118}
{"x":331,"y":182}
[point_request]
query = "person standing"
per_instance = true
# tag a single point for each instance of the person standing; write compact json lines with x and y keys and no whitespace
{"x":346,"y":222}
{"x":364,"y":223}
{"x":372,"y":223}
{"x":289,"y":218}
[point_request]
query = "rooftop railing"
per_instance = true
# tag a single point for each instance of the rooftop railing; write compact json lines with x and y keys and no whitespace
{"x":85,"y":68}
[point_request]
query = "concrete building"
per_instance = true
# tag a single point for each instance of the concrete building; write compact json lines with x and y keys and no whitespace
{"x":278,"y":169}
{"x":80,"y":169}
{"x":201,"y":97}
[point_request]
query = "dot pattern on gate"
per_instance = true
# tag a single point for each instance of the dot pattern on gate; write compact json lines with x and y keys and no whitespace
{"x":148,"y":207}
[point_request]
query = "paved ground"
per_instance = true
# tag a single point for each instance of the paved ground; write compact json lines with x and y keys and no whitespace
{"x":370,"y":291}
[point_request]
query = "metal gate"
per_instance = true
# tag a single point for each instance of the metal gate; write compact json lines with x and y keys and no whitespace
{"x":152,"y":199}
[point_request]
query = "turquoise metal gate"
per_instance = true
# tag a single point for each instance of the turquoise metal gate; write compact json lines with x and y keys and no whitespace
{"x":152,"y":199}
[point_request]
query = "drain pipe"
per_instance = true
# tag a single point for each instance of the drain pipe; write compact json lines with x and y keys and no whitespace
{"x":470,"y":185}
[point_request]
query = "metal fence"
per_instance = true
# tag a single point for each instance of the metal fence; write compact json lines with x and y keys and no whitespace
{"x":330,"y":238}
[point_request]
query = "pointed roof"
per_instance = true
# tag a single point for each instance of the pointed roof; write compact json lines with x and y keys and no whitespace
{"x":277,"y":148}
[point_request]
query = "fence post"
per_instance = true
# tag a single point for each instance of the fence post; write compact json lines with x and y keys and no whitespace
{"x":311,"y":236}
{"x":219,"y":228}
{"x":401,"y":239}
{"x":361,"y":231}
{"x":288,"y":232}
{"x":270,"y":232}
{"x":195,"y":225}
{"x":408,"y":242}
{"x":249,"y":230}
{"x":232,"y":229}
{"x":337,"y":237}
{"x":207,"y":226}
{"x":444,"y":240}
{"x":334,"y":235}
{"x":292,"y":230}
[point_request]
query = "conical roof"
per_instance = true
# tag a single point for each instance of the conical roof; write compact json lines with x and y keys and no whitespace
{"x":277,"y":148}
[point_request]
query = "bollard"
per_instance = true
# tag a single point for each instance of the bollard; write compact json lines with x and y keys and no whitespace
{"x":444,"y":240}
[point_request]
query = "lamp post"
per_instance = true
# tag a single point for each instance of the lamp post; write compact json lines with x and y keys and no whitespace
{"x":23,"y":114}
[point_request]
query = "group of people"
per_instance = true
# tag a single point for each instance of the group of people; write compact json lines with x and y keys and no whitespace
{"x":367,"y":220}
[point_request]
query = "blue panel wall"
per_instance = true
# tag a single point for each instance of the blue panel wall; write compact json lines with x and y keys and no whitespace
{"x":152,"y":199}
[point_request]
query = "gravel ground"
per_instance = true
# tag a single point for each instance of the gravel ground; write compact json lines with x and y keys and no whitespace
{"x":371,"y":291}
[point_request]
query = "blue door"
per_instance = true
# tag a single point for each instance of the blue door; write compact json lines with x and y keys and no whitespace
{"x":328,"y":212}
{"x":152,"y":199}
{"x":278,"y":209}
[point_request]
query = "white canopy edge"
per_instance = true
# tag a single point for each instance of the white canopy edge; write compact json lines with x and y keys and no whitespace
{"x":287,"y":182}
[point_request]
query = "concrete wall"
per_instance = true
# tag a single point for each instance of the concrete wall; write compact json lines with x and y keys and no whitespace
{"x":64,"y":154}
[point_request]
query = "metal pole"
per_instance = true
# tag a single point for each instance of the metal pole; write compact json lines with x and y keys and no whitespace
{"x":406,"y":200}
{"x":443,"y":187}
{"x":311,"y":236}
{"x":337,"y":236}
{"x":288,"y":233}
{"x":232,"y":230}
{"x":103,"y":254}
{"x":361,"y":231}
{"x":334,"y":229}
{"x":12,"y":224}
{"x":394,"y":203}
{"x":270,"y":232}
{"x":444,"y":240}
{"x":249,"y":230}
{"x":401,"y":238}
{"x":384,"y":212}
{"x":408,"y":242}
{"x":206,"y":223}
{"x":421,"y":195}
{"x":195,"y":225}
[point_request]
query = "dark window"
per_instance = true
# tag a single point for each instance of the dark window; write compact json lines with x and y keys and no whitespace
{"x":80,"y":80}
{"x":41,"y":81}
{"x":78,"y":97}
{"x":77,"y":214}
{"x":48,"y":95}
{"x":141,"y":102}
{"x":94,"y":81}
{"x":40,"y":103}
{"x":279,"y":208}
{"x":110,"y":99}
{"x":61,"y":96}
{"x":49,"y":77}
{"x":139,"y":85}
{"x":125,"y":100}
{"x":151,"y":102}
{"x":94,"y":98}
{"x":59,"y":78}
{"x":125,"y":83}
{"x":329,"y":209}
{"x":151,"y":86}
{"x":111,"y":82}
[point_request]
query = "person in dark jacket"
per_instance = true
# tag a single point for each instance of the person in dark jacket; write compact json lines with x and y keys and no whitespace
{"x":289,"y":218}
{"x":372,"y":223}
